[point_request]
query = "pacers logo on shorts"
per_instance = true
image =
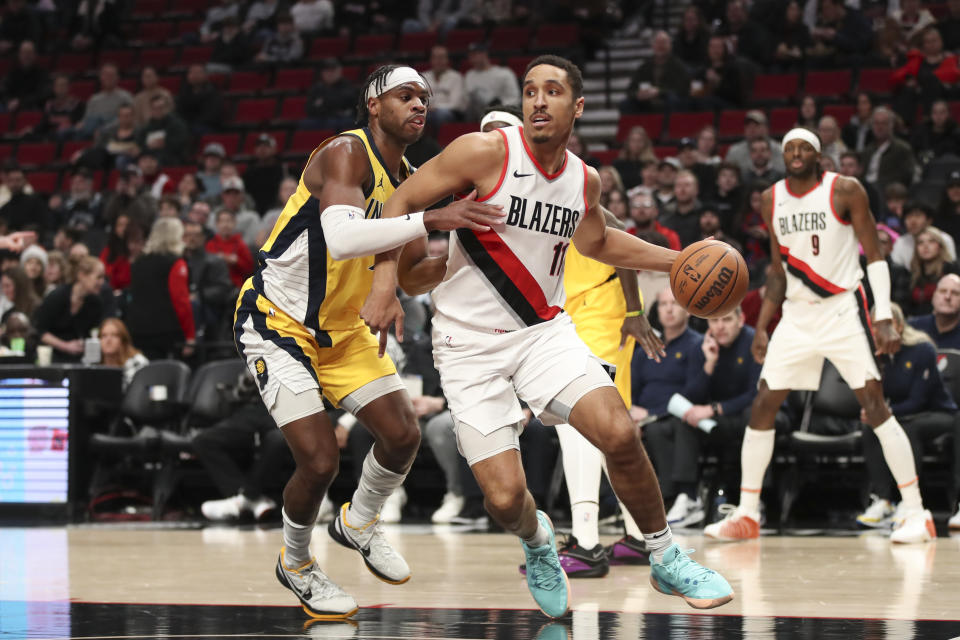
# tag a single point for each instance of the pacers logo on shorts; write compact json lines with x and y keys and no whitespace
{"x":261,"y":366}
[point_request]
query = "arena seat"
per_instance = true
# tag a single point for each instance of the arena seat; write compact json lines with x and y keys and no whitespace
{"x":293,"y":109}
{"x":27,"y":119}
{"x":606,"y":156}
{"x":453,"y":130}
{"x":875,"y":81}
{"x":507,"y":39}
{"x":842,"y":112}
{"x":74,"y":63}
{"x":36,"y":154}
{"x":250,"y":141}
{"x":123,"y":58}
{"x":255,"y":111}
{"x":556,"y":36}
{"x":775,"y":87}
{"x":306,"y":140}
{"x":230,"y":142}
{"x":155,"y":32}
{"x":83,"y":89}
{"x":247,"y":82}
{"x":373,"y":46}
{"x":44,"y":182}
{"x":828,"y":84}
{"x":730,"y":123}
{"x":71,"y":147}
{"x":170,"y":83}
{"x":518,"y":64}
{"x":158,"y":58}
{"x":417,"y":43}
{"x":195,"y":55}
{"x":6,"y":122}
{"x":682,"y":125}
{"x":292,"y":80}
{"x":782,"y":120}
{"x":459,"y":40}
{"x":329,"y":47}
{"x":651,"y":122}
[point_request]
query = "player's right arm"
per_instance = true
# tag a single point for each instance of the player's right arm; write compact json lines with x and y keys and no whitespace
{"x":776,"y":283}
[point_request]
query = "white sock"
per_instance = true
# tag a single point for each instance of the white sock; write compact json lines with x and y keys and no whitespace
{"x":581,"y":466}
{"x":376,"y":485}
{"x":296,"y":539}
{"x":899,"y":456}
{"x":658,"y":543}
{"x":630,"y":524}
{"x":539,"y":538}
{"x":754,"y":458}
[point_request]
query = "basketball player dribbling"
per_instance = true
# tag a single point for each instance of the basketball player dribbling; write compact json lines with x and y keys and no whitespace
{"x":499,"y":331}
{"x":817,"y":219}
{"x":298,"y":328}
{"x":606,"y":307}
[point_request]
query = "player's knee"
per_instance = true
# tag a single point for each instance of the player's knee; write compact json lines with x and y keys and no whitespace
{"x":405,"y":440}
{"x":321,"y":470}
{"x":621,"y":442}
{"x":506,"y":498}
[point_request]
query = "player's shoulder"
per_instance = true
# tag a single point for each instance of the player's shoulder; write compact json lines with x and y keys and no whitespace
{"x":345,"y":156}
{"x":478,"y":149}
{"x":593,"y":185}
{"x":847,"y":185}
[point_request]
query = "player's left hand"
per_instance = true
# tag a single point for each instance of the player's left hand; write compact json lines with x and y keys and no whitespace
{"x":886,"y":337}
{"x":639,"y":329}
{"x":380,"y":311}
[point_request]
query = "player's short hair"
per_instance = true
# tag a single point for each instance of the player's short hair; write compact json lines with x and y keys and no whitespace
{"x":574,"y":76}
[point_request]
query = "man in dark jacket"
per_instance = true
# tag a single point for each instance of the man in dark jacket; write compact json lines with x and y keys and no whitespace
{"x":164,"y":133}
{"x":199,"y":102}
{"x":211,"y":290}
{"x":331,"y":101}
{"x":26,"y":84}
{"x":887,"y":159}
{"x":660,"y":82}
{"x":24,"y":211}
{"x":262,"y":178}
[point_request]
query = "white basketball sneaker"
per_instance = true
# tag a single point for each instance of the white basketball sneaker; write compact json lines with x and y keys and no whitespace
{"x":954,"y":522}
{"x":226,"y":509}
{"x":916,"y":527}
{"x":381,"y":559}
{"x":685,"y":512}
{"x":452,"y":503}
{"x":878,"y":515}
{"x":320,"y":596}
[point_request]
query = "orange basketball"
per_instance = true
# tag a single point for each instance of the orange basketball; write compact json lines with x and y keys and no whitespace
{"x":709,"y":279}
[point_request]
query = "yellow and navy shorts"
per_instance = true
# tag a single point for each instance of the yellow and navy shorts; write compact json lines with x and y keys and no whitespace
{"x":280,"y":350}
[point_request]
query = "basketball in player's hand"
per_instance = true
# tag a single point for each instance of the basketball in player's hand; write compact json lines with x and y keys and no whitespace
{"x":709,"y":279}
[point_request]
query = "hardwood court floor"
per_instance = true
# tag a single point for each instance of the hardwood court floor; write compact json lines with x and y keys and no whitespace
{"x":112,"y":581}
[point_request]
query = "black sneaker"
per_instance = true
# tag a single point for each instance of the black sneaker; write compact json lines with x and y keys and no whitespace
{"x":578,"y":562}
{"x":628,"y":550}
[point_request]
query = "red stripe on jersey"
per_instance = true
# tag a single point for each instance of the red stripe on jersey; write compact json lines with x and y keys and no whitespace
{"x":503,"y":170}
{"x":834,"y":209}
{"x":548,"y":176}
{"x":808,"y":271}
{"x":514,"y":269}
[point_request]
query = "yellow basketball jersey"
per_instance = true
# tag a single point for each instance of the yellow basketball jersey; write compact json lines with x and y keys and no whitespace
{"x":581,"y":274}
{"x":294,"y":269}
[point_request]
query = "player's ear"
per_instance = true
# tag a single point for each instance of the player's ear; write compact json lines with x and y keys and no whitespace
{"x":578,"y":107}
{"x":373,"y":106}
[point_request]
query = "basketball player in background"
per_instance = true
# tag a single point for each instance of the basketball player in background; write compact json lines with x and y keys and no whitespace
{"x":499,"y":331}
{"x":606,"y":307}
{"x":298,"y":328}
{"x":817,"y":219}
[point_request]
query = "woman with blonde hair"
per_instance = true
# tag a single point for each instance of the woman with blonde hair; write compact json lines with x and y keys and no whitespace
{"x":71,"y":311}
{"x":117,"y":350}
{"x":159,"y":312}
{"x":932,"y":259}
{"x":917,"y":397}
{"x":636,"y":151}
{"x":58,"y":271}
{"x":609,"y":180}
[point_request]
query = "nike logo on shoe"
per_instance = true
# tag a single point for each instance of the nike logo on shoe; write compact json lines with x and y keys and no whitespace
{"x":521,"y":175}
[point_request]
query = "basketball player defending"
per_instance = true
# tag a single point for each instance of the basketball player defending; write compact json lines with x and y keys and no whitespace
{"x":298,"y":327}
{"x":605,"y":306}
{"x":817,"y":219}
{"x":500,"y":332}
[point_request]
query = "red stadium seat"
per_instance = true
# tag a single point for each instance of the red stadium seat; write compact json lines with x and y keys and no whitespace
{"x":36,"y":154}
{"x":185,"y":27}
{"x":44,"y":181}
{"x":351,"y":72}
{"x":458,"y":40}
{"x":842,"y":112}
{"x":293,"y":109}
{"x":6,"y":150}
{"x":730,"y":124}
{"x":6,"y":122}
{"x":83,"y":89}
{"x":170,"y":83}
{"x":875,"y":81}
{"x":782,"y":120}
{"x":775,"y":87}
{"x":504,"y":39}
{"x":306,"y":140}
{"x":74,"y":63}
{"x":149,"y":8}
{"x":155,"y":32}
{"x":129,"y":84}
{"x":652,"y":123}
{"x":453,"y":130}
{"x":665,"y":151}
{"x":123,"y":58}
{"x":376,"y":45}
{"x":828,"y":84}
{"x":256,"y":111}
{"x":158,"y":58}
{"x":195,"y":55}
{"x":518,"y":64}
{"x":417,"y":42}
{"x":250,"y":142}
{"x":230,"y":142}
{"x":557,"y":36}
{"x":606,"y":156}
{"x":68,"y":149}
{"x":682,"y":125}
{"x":329,"y":47}
{"x":292,"y":80}
{"x":183,"y":7}
{"x":176,"y":174}
{"x":247,"y":82}
{"x":28,"y":119}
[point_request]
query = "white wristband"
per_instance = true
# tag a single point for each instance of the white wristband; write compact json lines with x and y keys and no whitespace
{"x":349,"y":234}
{"x":878,"y":273}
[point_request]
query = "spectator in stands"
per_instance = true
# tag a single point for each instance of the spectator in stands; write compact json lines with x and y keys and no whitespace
{"x":943,"y":325}
{"x":164,"y":134}
{"x":209,"y":174}
{"x":912,"y":20}
{"x":644,"y":214}
{"x":727,"y":194}
{"x":720,"y":82}
{"x":17,"y":293}
{"x":130,"y":197}
{"x":231,"y":49}
{"x":216,"y":14}
{"x":332,"y":100}
{"x":609,"y":180}
{"x":33,"y":259}
{"x":312,"y":16}
{"x":199,"y":102}
{"x":434,"y":15}
{"x":949,"y":26}
{"x":857,"y":133}
{"x":116,"y":256}
{"x":117,"y":350}
{"x":711,"y":226}
{"x":662,"y":82}
{"x":200,"y":213}
{"x":26,"y":85}
{"x":808,"y":116}
{"x":448,"y":99}
{"x":637,"y":149}
{"x":71,"y":311}
{"x":57,"y":272}
{"x":96,"y":24}
{"x":17,"y":326}
{"x":761,"y":165}
{"x":690,"y":42}
{"x":288,"y":186}
{"x":682,"y":214}
{"x":188,"y":191}
{"x":81,"y":205}
{"x":937,"y":135}
{"x":617,"y":204}
{"x":229,"y":245}
{"x":850,"y":166}
{"x":688,"y":157}
{"x":754,"y":128}
{"x":947,"y":218}
{"x":23,"y":209}
{"x":932,"y":260}
{"x":752,"y":228}
{"x":212,"y":292}
{"x":263,"y":18}
{"x":61,"y":112}
{"x":706,"y":151}
{"x":487,"y":84}
{"x":142,"y":102}
{"x":745,"y":37}
{"x":233,"y":199}
{"x":115,"y":145}
{"x":169,"y":207}
{"x":918,"y":399}
{"x":654,"y":383}
{"x":666,"y":177}
{"x":263,"y":175}
{"x":887,"y":159}
{"x":792,"y":39}
{"x":19,"y":24}
{"x":830,"y":143}
{"x":577,"y":147}
{"x":842,"y":35}
{"x":285,"y":45}
{"x":102,"y":106}
{"x":917,"y":217}
{"x":900,"y":288}
{"x":930,"y":74}
{"x":159,"y":313}
{"x":154,"y":179}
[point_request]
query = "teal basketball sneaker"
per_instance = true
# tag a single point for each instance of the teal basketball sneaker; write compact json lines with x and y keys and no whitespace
{"x":545,"y":576}
{"x":678,"y":575}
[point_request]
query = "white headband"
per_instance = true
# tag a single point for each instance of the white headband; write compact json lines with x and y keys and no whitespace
{"x":801,"y":134}
{"x":397,"y":77}
{"x":500,"y":116}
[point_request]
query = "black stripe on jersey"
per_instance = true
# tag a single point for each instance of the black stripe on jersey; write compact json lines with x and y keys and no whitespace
{"x":813,"y":286}
{"x":248,"y":309}
{"x":306,"y":219}
{"x":498,"y":278}
{"x":864,"y":312}
{"x":376,"y":154}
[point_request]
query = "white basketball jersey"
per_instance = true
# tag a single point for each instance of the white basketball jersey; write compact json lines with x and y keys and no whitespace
{"x":511,"y":277}
{"x":818,"y":248}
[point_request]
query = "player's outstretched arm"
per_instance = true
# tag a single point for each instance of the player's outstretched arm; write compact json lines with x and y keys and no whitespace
{"x":17,"y":240}
{"x":614,"y":247}
{"x":776,"y":283}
